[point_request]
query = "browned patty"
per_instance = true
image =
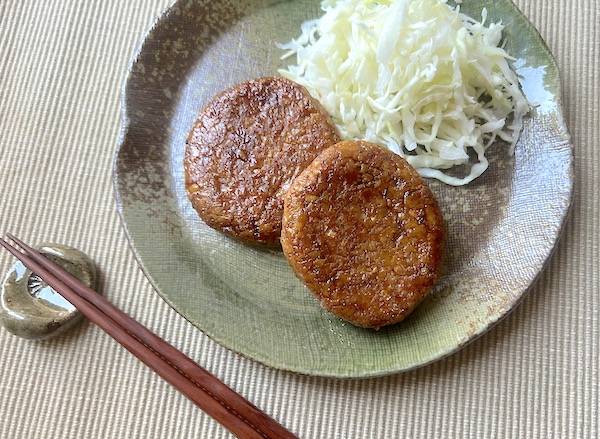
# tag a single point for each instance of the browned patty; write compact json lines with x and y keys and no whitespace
{"x":364,"y":232}
{"x":247,"y":146}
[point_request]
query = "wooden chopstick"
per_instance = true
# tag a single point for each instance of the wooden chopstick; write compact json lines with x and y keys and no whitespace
{"x":207,"y":381}
{"x":204,"y":389}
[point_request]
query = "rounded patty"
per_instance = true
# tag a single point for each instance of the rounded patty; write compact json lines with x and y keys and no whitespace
{"x":364,"y":232}
{"x":247,"y":146}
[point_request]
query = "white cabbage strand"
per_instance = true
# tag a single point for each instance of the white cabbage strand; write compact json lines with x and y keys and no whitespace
{"x":417,"y":76}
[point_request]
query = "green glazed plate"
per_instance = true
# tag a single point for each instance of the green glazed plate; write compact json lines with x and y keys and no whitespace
{"x":502,"y":228}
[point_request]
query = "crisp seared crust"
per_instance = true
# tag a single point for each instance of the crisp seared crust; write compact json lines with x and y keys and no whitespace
{"x":247,"y":146}
{"x":364,"y":232}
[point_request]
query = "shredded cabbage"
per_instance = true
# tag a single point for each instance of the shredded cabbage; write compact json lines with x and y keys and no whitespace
{"x":417,"y":76}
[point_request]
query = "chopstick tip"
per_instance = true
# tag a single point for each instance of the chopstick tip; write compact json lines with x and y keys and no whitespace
{"x":17,"y":241}
{"x":12,"y":247}
{"x":6,"y":245}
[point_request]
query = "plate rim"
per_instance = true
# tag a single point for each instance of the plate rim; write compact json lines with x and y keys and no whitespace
{"x":124,"y":125}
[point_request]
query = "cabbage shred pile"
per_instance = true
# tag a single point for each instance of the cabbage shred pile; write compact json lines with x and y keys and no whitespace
{"x":418,"y":76}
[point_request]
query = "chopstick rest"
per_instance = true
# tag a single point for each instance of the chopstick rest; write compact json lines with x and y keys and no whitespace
{"x":29,"y":308}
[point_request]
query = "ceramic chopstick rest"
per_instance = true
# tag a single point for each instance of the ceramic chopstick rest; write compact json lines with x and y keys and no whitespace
{"x":29,"y":308}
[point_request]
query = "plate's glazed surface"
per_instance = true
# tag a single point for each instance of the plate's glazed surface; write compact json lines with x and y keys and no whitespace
{"x":501,"y":228}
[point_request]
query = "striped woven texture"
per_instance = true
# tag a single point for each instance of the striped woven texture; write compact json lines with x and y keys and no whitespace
{"x":62,"y":64}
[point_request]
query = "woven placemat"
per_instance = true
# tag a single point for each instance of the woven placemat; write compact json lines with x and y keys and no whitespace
{"x":61,"y":69}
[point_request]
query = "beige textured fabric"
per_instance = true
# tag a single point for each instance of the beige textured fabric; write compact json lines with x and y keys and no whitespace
{"x":61,"y":67}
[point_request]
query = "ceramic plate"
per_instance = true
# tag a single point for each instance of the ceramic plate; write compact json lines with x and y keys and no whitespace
{"x":501,"y":229}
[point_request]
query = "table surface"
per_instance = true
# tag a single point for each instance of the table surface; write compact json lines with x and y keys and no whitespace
{"x":61,"y":67}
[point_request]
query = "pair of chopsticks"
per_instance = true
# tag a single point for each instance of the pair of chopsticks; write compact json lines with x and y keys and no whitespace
{"x":206,"y":391}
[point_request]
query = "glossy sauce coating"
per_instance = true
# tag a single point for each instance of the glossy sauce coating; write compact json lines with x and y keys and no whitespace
{"x":364,"y":232}
{"x":247,"y":146}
